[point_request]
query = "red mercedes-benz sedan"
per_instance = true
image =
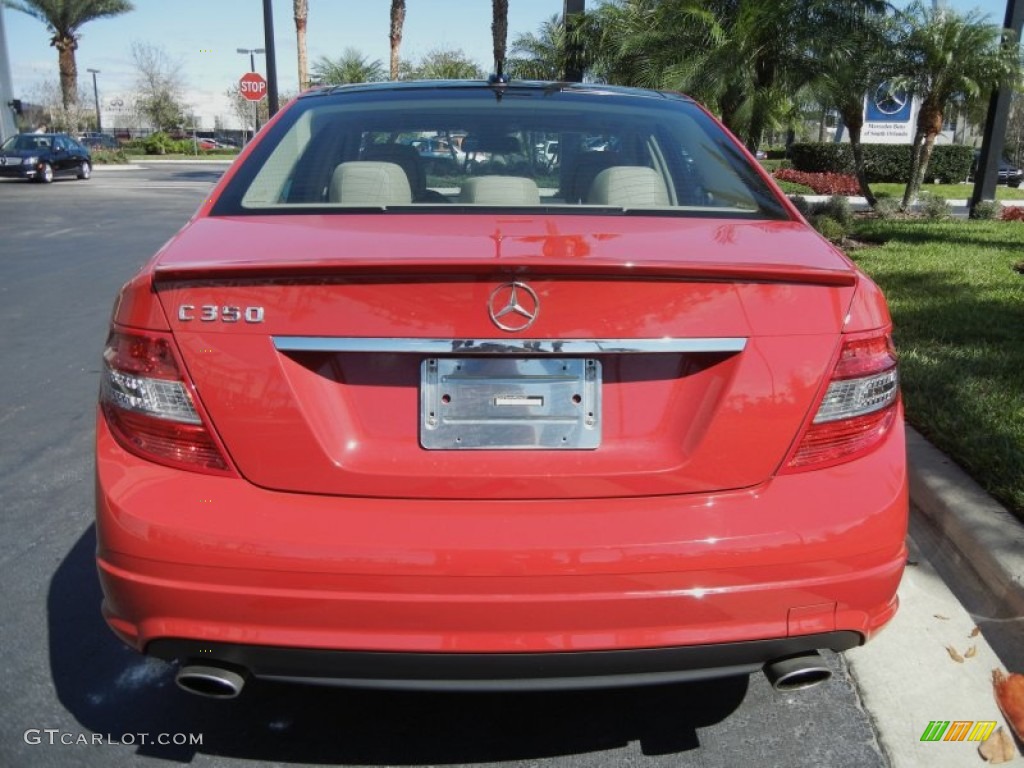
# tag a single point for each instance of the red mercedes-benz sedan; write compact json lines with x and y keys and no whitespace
{"x":498,"y":419}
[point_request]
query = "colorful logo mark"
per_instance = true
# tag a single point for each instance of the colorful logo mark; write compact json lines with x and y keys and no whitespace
{"x":958,"y":730}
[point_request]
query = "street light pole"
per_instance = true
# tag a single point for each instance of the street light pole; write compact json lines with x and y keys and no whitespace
{"x":252,"y":68}
{"x":96,"y":100}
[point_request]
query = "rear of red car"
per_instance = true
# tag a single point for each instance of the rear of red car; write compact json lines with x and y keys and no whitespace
{"x":376,"y":419}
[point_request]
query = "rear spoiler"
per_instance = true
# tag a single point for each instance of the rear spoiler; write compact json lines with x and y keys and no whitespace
{"x":339,"y":269}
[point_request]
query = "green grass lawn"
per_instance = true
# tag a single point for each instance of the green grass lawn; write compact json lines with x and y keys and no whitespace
{"x":958,"y":307}
{"x":950,"y":191}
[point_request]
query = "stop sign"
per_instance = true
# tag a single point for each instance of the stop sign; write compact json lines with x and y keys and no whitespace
{"x":252,"y":86}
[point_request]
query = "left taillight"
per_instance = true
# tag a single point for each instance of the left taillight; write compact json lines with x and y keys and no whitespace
{"x":858,"y":408}
{"x":149,"y":407}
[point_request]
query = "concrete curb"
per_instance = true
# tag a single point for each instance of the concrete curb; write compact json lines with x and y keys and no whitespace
{"x":985,"y":533}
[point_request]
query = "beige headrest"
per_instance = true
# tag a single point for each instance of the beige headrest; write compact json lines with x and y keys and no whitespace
{"x":370,"y":183}
{"x":628,"y":186}
{"x":500,"y":190}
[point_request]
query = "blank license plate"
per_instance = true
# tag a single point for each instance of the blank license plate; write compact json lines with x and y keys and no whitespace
{"x":510,"y":403}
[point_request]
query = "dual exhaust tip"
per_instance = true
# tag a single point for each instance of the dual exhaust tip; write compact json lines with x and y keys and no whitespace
{"x":795,"y":673}
{"x":211,"y":682}
{"x":792,"y":673}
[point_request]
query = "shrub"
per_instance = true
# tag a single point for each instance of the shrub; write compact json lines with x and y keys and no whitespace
{"x":801,"y":204}
{"x":986,"y":210}
{"x":835,"y":207}
{"x":109,"y":156}
{"x":158,"y":144}
{"x":135,"y":146}
{"x":886,"y":207}
{"x":829,"y":228}
{"x":775,"y":164}
{"x":1013,"y":213}
{"x":883,"y":162}
{"x":822,"y":183}
{"x":934,"y":207}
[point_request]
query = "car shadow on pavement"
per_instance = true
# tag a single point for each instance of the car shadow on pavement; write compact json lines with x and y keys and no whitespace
{"x":109,"y":689}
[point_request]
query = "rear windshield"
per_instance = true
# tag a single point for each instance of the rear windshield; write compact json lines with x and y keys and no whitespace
{"x":436,"y":149}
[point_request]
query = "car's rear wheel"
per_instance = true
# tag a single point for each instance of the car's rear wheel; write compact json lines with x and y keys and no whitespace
{"x":45,"y":174}
{"x":85,"y":171}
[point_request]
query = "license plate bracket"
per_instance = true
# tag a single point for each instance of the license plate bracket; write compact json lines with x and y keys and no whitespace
{"x":501,"y":403}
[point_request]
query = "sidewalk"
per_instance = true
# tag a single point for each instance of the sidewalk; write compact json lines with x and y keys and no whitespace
{"x":861,"y":204}
{"x":907,"y":676}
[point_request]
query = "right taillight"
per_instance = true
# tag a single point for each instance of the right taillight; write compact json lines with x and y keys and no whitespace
{"x":858,"y":407}
{"x":149,"y":407}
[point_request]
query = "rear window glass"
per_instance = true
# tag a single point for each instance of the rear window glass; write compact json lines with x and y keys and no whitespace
{"x":435,"y":149}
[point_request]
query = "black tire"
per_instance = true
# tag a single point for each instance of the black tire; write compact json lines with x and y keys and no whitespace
{"x":45,"y":174}
{"x":85,"y":171}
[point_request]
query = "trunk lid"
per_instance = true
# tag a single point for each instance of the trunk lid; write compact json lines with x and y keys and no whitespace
{"x":322,"y":347}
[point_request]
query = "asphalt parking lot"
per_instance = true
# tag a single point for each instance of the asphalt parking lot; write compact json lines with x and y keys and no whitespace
{"x":67,"y":247}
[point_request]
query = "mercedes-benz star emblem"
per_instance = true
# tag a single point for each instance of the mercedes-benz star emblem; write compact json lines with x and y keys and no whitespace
{"x":890,"y":100}
{"x":513,"y":307}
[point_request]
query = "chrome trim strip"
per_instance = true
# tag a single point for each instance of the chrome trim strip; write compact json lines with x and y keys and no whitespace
{"x":506,"y":346}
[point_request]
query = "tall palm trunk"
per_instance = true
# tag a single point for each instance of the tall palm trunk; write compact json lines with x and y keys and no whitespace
{"x":929,"y":125}
{"x":397,"y":22}
{"x":853,"y":117}
{"x":301,"y":16}
{"x":499,"y":33}
{"x":66,"y":46}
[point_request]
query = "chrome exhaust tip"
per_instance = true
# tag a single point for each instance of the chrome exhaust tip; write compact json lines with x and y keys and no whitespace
{"x":795,"y":673}
{"x":211,"y":682}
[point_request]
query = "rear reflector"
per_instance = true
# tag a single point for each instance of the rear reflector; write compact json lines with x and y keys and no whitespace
{"x":148,"y":406}
{"x":858,"y":407}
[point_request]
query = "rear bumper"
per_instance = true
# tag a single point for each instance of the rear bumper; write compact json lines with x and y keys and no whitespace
{"x":195,"y":562}
{"x":499,"y":671}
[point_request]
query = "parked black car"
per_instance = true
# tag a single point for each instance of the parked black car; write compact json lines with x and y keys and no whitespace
{"x":1009,"y":174}
{"x":44,"y":156}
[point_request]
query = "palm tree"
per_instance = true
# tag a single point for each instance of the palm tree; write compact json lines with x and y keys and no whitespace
{"x":301,"y":9}
{"x":539,"y":56}
{"x":776,"y":49}
{"x":946,"y":55}
{"x":499,"y":33}
{"x":351,"y":67}
{"x":854,"y":61}
{"x":650,"y":43}
{"x":744,"y":58}
{"x":445,"y":64}
{"x":397,"y":22}
{"x":63,"y":18}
